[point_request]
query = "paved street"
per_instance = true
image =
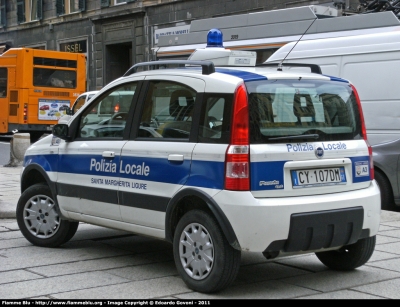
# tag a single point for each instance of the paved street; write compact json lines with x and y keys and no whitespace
{"x":4,"y":150}
{"x":100,"y":263}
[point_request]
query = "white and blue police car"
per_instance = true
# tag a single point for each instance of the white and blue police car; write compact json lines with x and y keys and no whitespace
{"x":217,"y":156}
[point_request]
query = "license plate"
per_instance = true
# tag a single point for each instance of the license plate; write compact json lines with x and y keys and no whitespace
{"x":318,"y":177}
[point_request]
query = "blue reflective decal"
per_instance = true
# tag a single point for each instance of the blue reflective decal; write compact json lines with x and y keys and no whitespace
{"x":204,"y":173}
{"x":266,"y":175}
{"x":207,"y":174}
{"x":245,"y":75}
{"x":47,"y":162}
{"x":337,"y":79}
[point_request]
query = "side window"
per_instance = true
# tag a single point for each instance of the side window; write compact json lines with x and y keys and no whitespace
{"x":69,"y":6}
{"x":215,"y":119}
{"x":107,"y":116}
{"x":3,"y":82}
{"x":167,"y":111}
{"x":78,"y":104}
{"x":29,"y":10}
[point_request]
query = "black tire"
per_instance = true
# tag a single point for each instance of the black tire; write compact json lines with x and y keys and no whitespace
{"x":38,"y":218}
{"x":349,"y":257}
{"x":387,"y":199}
{"x":205,"y":270}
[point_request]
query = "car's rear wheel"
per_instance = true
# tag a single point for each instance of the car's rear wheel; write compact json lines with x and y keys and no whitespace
{"x":350,"y":256}
{"x":38,"y":218}
{"x":387,"y":199}
{"x":203,"y":256}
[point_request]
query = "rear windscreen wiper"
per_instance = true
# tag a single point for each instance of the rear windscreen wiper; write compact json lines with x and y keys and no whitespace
{"x":301,"y":136}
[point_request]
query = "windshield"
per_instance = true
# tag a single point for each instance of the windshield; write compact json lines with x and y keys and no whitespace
{"x":302,"y":110}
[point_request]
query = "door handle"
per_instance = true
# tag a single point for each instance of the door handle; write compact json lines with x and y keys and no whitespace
{"x":108,"y":154}
{"x":175,"y":157}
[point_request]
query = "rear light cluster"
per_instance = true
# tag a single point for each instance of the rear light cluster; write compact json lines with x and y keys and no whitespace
{"x":25,"y":113}
{"x":364,"y":134}
{"x":237,"y":168}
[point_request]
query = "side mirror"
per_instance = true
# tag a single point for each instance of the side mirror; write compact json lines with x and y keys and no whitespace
{"x":69,"y":111}
{"x":61,"y":131}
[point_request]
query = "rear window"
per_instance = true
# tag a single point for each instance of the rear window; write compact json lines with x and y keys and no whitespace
{"x":302,"y":110}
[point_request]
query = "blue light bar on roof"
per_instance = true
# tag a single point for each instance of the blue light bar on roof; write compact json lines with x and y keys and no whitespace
{"x":215,"y":38}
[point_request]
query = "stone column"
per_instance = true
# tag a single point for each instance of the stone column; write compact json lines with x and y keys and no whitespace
{"x":18,"y":146}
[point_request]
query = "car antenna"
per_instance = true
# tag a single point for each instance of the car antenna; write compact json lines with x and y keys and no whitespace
{"x":280,"y":64}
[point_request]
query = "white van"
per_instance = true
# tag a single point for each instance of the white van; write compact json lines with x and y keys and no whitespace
{"x":371,"y":62}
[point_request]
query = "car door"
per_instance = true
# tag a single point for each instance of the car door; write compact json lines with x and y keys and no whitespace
{"x":155,"y":162}
{"x":88,"y":180}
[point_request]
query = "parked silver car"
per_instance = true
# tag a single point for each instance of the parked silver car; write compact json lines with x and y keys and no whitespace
{"x":387,"y":166}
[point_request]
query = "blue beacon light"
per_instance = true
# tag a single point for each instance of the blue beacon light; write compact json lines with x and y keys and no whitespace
{"x":215,"y":38}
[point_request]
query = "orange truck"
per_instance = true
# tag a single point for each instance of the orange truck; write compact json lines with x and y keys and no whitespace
{"x":36,"y":88}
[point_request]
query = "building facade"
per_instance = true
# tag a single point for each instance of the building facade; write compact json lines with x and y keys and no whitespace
{"x":115,"y":34}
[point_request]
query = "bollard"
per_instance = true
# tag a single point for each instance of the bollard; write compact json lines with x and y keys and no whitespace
{"x":18,"y":145}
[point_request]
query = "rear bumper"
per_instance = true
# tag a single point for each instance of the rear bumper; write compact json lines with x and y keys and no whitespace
{"x":293,"y":224}
{"x":323,"y":229}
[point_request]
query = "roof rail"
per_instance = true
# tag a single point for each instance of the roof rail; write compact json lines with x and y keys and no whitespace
{"x":207,"y":66}
{"x":314,"y":67}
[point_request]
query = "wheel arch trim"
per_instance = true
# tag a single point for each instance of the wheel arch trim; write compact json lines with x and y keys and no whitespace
{"x":220,"y":216}
{"x":37,"y":168}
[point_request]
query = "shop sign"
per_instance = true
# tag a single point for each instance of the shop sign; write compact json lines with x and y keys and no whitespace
{"x":170,"y":31}
{"x":76,"y":47}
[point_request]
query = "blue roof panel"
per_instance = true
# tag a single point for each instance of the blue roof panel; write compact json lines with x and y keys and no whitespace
{"x":245,"y":75}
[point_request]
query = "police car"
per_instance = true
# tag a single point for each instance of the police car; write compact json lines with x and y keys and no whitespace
{"x":249,"y":158}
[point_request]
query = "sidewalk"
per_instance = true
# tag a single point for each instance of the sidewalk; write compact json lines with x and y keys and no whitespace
{"x":9,"y":190}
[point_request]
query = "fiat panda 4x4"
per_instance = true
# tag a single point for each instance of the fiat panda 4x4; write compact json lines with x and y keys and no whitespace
{"x":217,"y":156}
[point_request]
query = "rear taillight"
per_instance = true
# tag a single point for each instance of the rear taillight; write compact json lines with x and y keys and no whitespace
{"x":25,"y":113}
{"x":371,"y":163}
{"x":237,"y":168}
{"x":116,"y":108}
{"x":364,"y":134}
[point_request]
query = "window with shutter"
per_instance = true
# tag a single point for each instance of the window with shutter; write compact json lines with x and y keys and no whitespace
{"x":3,"y":16}
{"x":21,"y":11}
{"x":82,"y":5}
{"x":39,"y":13}
{"x":105,"y":3}
{"x":33,"y":9}
{"x":27,"y":10}
{"x":60,"y":7}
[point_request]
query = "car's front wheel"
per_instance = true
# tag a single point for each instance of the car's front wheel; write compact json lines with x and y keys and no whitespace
{"x":350,"y":256}
{"x":38,"y":218}
{"x":203,"y":256}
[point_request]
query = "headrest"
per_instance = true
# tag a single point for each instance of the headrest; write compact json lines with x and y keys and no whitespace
{"x":303,"y":105}
{"x":180,"y":99}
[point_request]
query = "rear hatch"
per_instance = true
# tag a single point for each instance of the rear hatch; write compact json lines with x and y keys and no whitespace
{"x":307,"y":137}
